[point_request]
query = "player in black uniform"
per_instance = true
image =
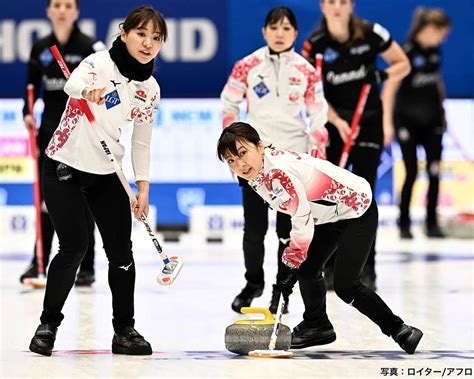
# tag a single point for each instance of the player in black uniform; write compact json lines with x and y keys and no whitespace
{"x":350,"y":46}
{"x":418,"y":113}
{"x":44,"y":72}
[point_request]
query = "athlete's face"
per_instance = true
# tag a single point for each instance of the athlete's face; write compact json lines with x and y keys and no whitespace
{"x":143,"y":43}
{"x":337,"y":10}
{"x":280,"y":36}
{"x":248,"y":161}
{"x":432,"y":36}
{"x":62,"y":12}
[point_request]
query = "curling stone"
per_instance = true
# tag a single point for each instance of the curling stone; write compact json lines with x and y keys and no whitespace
{"x":460,"y":226}
{"x":246,"y":335}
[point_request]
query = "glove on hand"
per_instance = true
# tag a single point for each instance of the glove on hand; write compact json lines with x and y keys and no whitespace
{"x":286,"y":279}
{"x":375,"y":76}
{"x":293,"y":258}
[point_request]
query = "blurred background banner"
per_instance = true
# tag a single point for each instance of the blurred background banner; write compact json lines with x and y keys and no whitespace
{"x":206,"y":37}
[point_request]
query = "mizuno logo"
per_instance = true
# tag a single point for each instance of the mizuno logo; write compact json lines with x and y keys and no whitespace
{"x":115,"y":83}
{"x":125,"y":268}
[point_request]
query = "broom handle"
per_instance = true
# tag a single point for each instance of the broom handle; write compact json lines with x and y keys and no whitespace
{"x":36,"y":183}
{"x":277,"y":324}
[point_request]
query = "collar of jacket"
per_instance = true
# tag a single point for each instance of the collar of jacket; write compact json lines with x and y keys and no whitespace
{"x":74,"y":33}
{"x":260,"y":178}
{"x":127,"y":65}
{"x":283,"y":56}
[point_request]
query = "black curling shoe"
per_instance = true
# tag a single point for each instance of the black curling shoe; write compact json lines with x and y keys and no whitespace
{"x":434,"y":231}
{"x":305,"y":336}
{"x":43,"y":340}
{"x":245,"y":297}
{"x":30,"y":272}
{"x":85,"y":278}
{"x":129,"y":342}
{"x":408,"y":338}
{"x":405,"y":233}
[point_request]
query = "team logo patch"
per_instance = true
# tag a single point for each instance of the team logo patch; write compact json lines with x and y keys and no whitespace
{"x":419,"y":61}
{"x":140,"y":95}
{"x":46,"y":57}
{"x":112,"y":99}
{"x":261,"y":89}
{"x":330,"y":55}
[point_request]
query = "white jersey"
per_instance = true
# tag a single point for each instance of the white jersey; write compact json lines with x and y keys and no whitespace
{"x":75,"y":143}
{"x":278,"y":89}
{"x":312,"y":191}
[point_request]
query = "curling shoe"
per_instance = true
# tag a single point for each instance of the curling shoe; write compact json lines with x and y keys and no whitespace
{"x":405,"y":233}
{"x":43,"y":340}
{"x":434,"y":231}
{"x":407,"y":337}
{"x":245,"y":297}
{"x":30,"y":272}
{"x":85,"y":278}
{"x":274,"y":302}
{"x":305,"y":335}
{"x":129,"y":342}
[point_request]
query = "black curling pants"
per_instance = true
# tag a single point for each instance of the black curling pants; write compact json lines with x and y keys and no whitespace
{"x":431,"y":139}
{"x":364,"y":158}
{"x":44,"y":136}
{"x":69,"y":203}
{"x":255,"y":228}
{"x":350,"y":242}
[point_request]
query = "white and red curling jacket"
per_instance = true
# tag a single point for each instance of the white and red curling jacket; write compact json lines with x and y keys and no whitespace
{"x":312,"y":191}
{"x":126,"y":102}
{"x":278,"y":89}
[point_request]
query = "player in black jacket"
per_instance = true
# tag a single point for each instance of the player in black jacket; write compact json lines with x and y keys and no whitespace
{"x":418,"y":112}
{"x":45,"y":74}
{"x":350,"y":46}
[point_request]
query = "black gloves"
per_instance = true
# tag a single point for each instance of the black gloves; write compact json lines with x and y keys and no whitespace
{"x":286,"y":280}
{"x":375,"y":76}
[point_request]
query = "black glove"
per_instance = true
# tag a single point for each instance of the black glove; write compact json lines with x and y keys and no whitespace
{"x":374,"y":76}
{"x":286,"y":280}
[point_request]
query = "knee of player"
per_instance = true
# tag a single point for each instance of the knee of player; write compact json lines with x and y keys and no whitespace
{"x":403,"y":135}
{"x":434,"y":168}
{"x":77,"y":249}
{"x":118,"y":251}
{"x":344,"y":290}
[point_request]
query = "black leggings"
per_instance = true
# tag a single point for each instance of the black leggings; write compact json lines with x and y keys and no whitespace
{"x":431,"y":140}
{"x":364,"y":158}
{"x":255,"y":228}
{"x":87,"y":264}
{"x":69,"y":203}
{"x":350,"y":241}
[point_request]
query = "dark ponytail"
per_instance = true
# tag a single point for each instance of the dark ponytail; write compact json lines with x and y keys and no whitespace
{"x":425,"y":16}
